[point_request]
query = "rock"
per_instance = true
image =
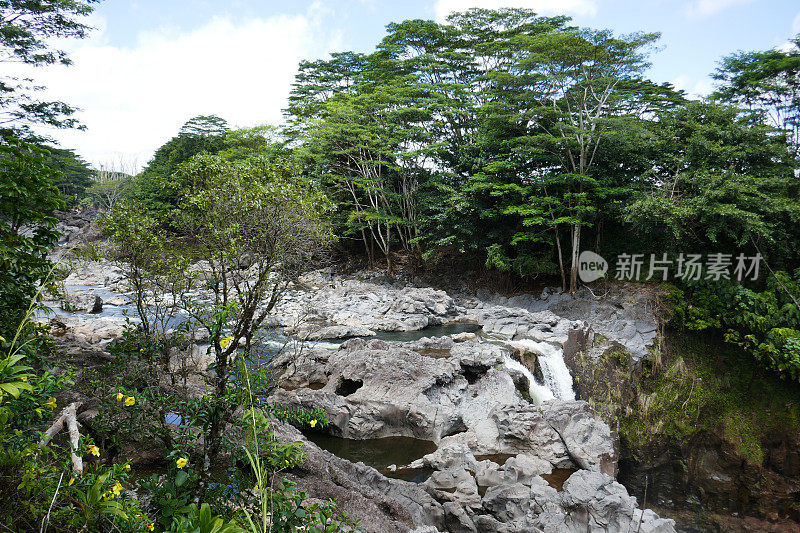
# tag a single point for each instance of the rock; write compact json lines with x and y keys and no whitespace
{"x":595,"y":501}
{"x":587,"y":438}
{"x":375,"y":306}
{"x":380,"y":503}
{"x":334,"y":332}
{"x":83,"y":303}
{"x":194,"y":358}
{"x":305,"y":369}
{"x":465,"y":336}
{"x":458,"y":482}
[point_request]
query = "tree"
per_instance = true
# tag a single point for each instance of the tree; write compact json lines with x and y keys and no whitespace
{"x":765,"y":81}
{"x":25,"y":28}
{"x":721,"y":180}
{"x":27,"y":231}
{"x":205,"y":126}
{"x":254,"y":226}
{"x":75,"y":174}
{"x":201,"y":134}
{"x":27,"y":177}
{"x":579,"y":87}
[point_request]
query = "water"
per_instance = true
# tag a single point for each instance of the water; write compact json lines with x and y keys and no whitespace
{"x":379,"y":453}
{"x":554,"y":370}
{"x":558,"y":477}
{"x":431,"y":331}
{"x":123,"y":312}
{"x":539,"y":393}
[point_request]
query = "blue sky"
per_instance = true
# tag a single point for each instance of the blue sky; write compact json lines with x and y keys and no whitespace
{"x":151,"y":65}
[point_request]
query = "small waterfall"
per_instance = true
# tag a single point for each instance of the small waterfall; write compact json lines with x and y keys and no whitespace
{"x":539,"y":393}
{"x":557,"y":378}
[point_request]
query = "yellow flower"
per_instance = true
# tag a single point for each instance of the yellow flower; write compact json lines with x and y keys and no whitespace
{"x":225,"y":342}
{"x":2,"y":339}
{"x":127,"y":467}
{"x":71,"y":481}
{"x":255,"y":488}
{"x":151,"y":527}
{"x":117,"y":488}
{"x":24,"y":378}
{"x":312,"y":423}
{"x":94,"y":450}
{"x":183,"y":461}
{"x":130,"y":400}
{"x":120,"y":396}
{"x":51,"y":403}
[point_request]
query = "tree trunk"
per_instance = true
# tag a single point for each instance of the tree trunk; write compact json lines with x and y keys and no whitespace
{"x":560,"y":260}
{"x":576,"y":245}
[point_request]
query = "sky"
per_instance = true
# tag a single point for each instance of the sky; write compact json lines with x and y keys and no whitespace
{"x":150,"y":65}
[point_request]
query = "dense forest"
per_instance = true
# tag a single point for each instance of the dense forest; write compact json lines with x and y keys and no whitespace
{"x":500,"y":139}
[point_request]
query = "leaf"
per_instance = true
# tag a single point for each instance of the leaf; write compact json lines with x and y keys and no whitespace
{"x":181,"y":478}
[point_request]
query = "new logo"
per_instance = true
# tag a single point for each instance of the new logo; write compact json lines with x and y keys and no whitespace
{"x":591,"y":267}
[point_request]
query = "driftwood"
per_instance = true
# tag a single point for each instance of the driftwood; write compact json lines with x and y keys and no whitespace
{"x":68,"y":416}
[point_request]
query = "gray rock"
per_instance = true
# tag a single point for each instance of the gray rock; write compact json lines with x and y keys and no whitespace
{"x":82,"y":303}
{"x":380,"y":503}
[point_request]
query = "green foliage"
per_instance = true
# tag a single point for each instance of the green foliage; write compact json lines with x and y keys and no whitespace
{"x":27,"y":28}
{"x":721,"y":181}
{"x":710,"y":386}
{"x":75,"y":176}
{"x":282,"y":509}
{"x":37,"y":485}
{"x":27,"y":195}
{"x":203,"y":521}
{"x":765,"y":323}
{"x":768,"y":82}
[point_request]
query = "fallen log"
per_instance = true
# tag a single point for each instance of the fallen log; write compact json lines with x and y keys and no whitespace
{"x":68,"y":416}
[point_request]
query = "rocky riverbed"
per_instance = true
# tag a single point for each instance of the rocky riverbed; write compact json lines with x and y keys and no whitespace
{"x":479,"y":380}
{"x":514,"y":451}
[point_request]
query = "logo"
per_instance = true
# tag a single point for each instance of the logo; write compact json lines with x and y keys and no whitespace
{"x":591,"y":267}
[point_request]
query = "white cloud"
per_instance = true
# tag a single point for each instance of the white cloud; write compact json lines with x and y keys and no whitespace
{"x":695,"y":89}
{"x":579,"y":7}
{"x":698,"y":9}
{"x":796,"y":24}
{"x":135,"y":98}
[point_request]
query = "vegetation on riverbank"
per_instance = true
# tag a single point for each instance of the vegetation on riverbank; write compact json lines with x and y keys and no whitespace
{"x":499,"y":137}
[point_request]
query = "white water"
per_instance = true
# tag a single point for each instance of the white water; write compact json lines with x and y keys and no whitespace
{"x":557,"y":379}
{"x":539,"y":393}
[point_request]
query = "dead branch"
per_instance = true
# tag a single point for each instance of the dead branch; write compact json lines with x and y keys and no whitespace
{"x":68,"y":416}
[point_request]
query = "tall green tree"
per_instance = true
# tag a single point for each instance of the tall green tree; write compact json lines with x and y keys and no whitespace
{"x":27,"y":28}
{"x":27,"y":177}
{"x":200,"y":134}
{"x":27,"y":195}
{"x":721,"y":180}
{"x":766,"y":81}
{"x":75,"y":175}
{"x":580,"y":87}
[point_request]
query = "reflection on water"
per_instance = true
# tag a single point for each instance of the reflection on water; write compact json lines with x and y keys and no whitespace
{"x":499,"y":458}
{"x":379,"y":453}
{"x":432,"y":331}
{"x":558,"y":477}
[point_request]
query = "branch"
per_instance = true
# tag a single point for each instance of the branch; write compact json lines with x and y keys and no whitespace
{"x":68,"y":416}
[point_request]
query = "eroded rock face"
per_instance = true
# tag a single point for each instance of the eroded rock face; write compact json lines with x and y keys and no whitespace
{"x":457,"y":392}
{"x":625,"y":316}
{"x":469,"y":404}
{"x":380,"y":503}
{"x":368,"y":305}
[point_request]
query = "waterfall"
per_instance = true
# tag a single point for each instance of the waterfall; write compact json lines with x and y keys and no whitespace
{"x":539,"y":393}
{"x":557,"y":379}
